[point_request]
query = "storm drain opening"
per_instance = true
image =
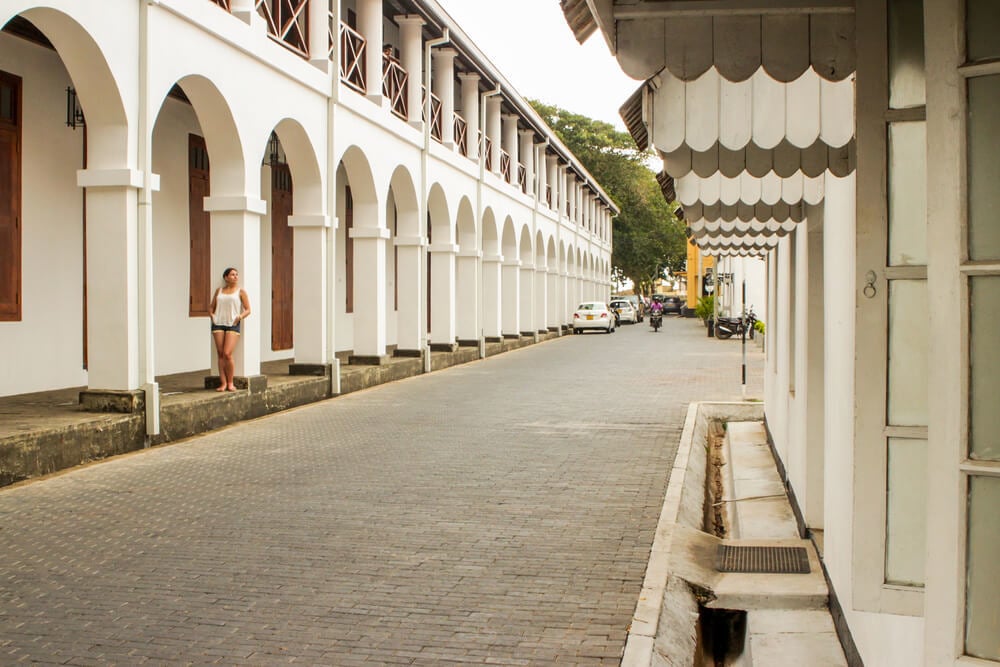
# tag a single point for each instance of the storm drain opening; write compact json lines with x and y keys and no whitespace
{"x":762,"y":560}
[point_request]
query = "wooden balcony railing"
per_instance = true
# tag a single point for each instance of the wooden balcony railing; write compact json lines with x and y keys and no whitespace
{"x":462,"y":135}
{"x":287,"y":23}
{"x":522,"y":177}
{"x":548,"y":195}
{"x":436,"y":120}
{"x":224,"y":4}
{"x":505,"y":165}
{"x":394,"y":85}
{"x":352,"y":58}
{"x":489,"y":153}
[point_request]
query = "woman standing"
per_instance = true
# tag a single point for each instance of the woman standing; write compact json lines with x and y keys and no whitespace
{"x":230,"y":306}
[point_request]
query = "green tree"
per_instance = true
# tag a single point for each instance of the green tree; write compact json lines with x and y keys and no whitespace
{"x":648,"y":238}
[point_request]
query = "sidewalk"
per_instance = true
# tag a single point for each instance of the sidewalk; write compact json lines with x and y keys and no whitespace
{"x":46,"y":432}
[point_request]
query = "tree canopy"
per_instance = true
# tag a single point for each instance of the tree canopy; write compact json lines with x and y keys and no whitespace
{"x":647,"y":236}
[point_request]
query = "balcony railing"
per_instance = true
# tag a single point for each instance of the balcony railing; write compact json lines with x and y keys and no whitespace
{"x":462,"y":135}
{"x":224,"y":4}
{"x":287,"y":23}
{"x":436,"y":121}
{"x":352,"y":58}
{"x":394,"y":85}
{"x":505,"y":165}
{"x":548,"y":195}
{"x":489,"y":153}
{"x":522,"y":177}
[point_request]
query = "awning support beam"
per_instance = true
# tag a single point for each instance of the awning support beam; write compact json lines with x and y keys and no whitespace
{"x":673,"y":8}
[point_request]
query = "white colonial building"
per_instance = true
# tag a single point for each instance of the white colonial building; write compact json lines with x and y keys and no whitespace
{"x":854,"y":144}
{"x":145,"y":145}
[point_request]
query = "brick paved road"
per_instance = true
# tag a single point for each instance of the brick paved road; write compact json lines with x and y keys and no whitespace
{"x":496,"y":513}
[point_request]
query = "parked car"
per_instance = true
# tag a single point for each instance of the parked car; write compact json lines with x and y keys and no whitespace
{"x":624,"y":310}
{"x":637,"y":304}
{"x":593,"y":315}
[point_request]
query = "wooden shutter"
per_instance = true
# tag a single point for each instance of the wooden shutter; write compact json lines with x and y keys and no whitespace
{"x":200,"y":228}
{"x":348,"y":250}
{"x":429,"y":272}
{"x":10,"y":198}
{"x":282,"y":258}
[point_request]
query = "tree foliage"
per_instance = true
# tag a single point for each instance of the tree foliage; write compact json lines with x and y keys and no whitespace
{"x":647,"y":236}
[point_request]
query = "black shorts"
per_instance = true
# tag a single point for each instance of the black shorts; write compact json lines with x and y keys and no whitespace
{"x":222,"y":327}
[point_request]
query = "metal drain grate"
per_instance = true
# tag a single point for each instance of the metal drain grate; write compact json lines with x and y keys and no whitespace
{"x":763,"y":560}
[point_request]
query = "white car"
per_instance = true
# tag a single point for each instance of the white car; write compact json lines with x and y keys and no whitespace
{"x":626,"y":312}
{"x":593,"y":315}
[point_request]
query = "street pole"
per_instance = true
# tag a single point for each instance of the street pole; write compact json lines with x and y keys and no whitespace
{"x":743,"y":268}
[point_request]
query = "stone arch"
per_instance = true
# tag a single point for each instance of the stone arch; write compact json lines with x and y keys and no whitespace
{"x":465,"y":225}
{"x":526,"y":247}
{"x":491,"y":239}
{"x":466,"y":265}
{"x":440,"y":269}
{"x":403,"y":262}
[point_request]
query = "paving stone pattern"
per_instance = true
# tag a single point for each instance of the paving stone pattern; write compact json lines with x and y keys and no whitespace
{"x":497,"y":513}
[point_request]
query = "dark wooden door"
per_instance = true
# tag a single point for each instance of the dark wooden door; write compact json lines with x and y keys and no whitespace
{"x":282,"y":258}
{"x":200,"y":228}
{"x":348,"y":251}
{"x":10,"y":197}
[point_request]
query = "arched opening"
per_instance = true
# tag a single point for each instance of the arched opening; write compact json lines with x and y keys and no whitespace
{"x":466,"y":282}
{"x":403,"y":262}
{"x":53,"y":233}
{"x":440,"y":271}
{"x":553,"y":317}
{"x":492,"y":278}
{"x":511,"y":282}
{"x":526,"y":294}
{"x":541,"y":291}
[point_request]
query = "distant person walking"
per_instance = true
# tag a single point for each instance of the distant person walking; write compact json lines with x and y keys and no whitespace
{"x":230,"y":306}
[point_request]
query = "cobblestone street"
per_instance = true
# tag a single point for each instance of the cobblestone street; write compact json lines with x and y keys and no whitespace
{"x":499,"y":512}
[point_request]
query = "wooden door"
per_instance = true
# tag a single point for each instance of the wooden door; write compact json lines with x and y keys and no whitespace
{"x":348,"y":251}
{"x":282,"y":258}
{"x":200,"y":228}
{"x":10,"y":197}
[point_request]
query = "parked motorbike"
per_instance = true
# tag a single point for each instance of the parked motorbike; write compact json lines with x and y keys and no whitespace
{"x":727,"y":327}
{"x":656,"y":320}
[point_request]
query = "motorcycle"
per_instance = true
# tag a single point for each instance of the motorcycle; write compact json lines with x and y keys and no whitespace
{"x":656,"y":320}
{"x":727,"y":327}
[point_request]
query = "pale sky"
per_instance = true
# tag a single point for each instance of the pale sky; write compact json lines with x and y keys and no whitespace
{"x":531,"y":44}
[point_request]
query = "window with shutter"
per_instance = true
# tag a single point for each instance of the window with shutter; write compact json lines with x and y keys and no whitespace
{"x":200,"y":228}
{"x":10,"y":197}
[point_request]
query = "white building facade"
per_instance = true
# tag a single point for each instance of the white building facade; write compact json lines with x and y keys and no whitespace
{"x":148,"y":145}
{"x":853,"y":145}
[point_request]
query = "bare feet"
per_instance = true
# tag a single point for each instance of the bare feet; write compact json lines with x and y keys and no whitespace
{"x":231,"y":388}
{"x":221,"y":388}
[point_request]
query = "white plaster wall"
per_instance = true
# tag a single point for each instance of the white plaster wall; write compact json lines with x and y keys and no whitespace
{"x":45,"y":349}
{"x":183,"y":343}
{"x":796,"y":448}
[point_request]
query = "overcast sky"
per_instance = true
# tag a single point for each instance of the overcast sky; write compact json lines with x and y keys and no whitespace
{"x":531,"y":44}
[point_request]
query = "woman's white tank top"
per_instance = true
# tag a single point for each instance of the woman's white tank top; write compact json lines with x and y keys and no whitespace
{"x":227,"y":307}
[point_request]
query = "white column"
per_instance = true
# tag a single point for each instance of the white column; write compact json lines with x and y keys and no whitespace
{"x":442,"y":256}
{"x":236,"y":242}
{"x":510,"y":143}
{"x":470,"y":110}
{"x":527,"y":153}
{"x":412,"y":60}
{"x":466,"y":295}
{"x":369,"y":290}
{"x":310,"y":318}
{"x":408,"y":279}
{"x":511,"y":293}
{"x":839,"y":293}
{"x":492,"y":281}
{"x":566,"y":304}
{"x":552,"y":178}
{"x":370,"y":27}
{"x":444,"y":88}
{"x":319,"y":37}
{"x":527,"y":299}
{"x":563,"y":176}
{"x":112,"y":281}
{"x":542,"y":299}
{"x":539,"y":152}
{"x":493,"y":130}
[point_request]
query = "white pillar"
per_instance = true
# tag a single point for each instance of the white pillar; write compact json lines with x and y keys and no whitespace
{"x":552,"y":178}
{"x":442,"y":256}
{"x":369,"y":290}
{"x":310,"y":318}
{"x":112,"y":284}
{"x":539,"y":152}
{"x":408,"y":280}
{"x":470,"y":110}
{"x":542,"y":299}
{"x":444,"y":88}
{"x":527,"y":153}
{"x":319,"y":35}
{"x":510,"y":292}
{"x":412,"y":60}
{"x":466,"y":295}
{"x":492,"y":281}
{"x":236,"y":242}
{"x":493,"y":131}
{"x":370,"y":27}
{"x":527,"y":299}
{"x":510,"y":143}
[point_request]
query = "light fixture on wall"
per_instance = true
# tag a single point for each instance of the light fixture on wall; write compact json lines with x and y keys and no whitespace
{"x":74,"y":114}
{"x":275,"y":154}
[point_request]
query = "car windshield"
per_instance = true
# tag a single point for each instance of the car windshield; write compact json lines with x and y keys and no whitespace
{"x":590,"y":306}
{"x":620,"y":304}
